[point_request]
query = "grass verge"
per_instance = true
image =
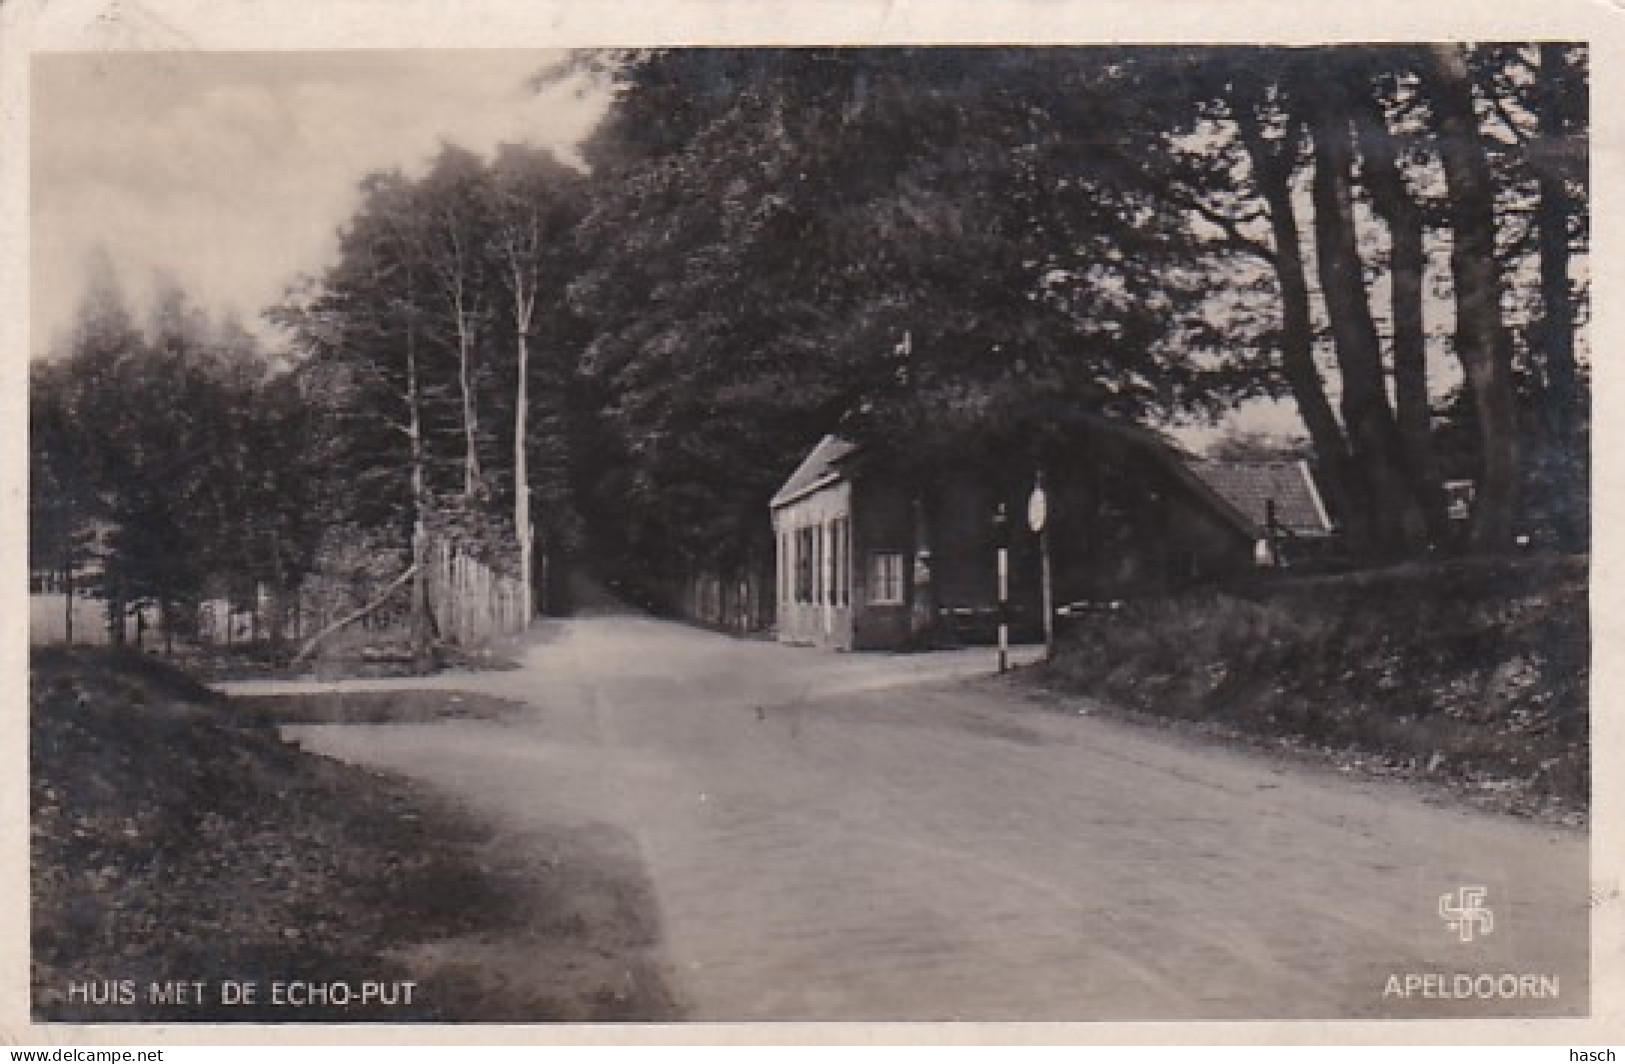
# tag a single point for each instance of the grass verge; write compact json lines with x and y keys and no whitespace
{"x":1474,"y":674}
{"x":174,"y":841}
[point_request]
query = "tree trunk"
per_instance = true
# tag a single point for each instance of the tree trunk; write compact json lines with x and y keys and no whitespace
{"x":278,"y":596}
{"x":544,"y":575}
{"x":465,"y":349}
{"x":349,"y":619}
{"x":1407,"y":272}
{"x":67,"y":601}
{"x":1554,"y":210}
{"x":1555,"y":333}
{"x":115,"y":616}
{"x":1378,"y":452}
{"x":521,"y":466}
{"x":1482,"y":342}
{"x":1272,"y":171}
{"x":273,"y":614}
{"x":420,"y":587}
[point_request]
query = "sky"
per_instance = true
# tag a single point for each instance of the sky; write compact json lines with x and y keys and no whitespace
{"x":229,"y":173}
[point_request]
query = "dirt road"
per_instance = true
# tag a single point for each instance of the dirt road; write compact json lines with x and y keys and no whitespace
{"x":857,"y":837}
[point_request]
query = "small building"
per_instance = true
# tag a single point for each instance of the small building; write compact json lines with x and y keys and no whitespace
{"x":1279,"y":501}
{"x":883,"y":551}
{"x":815,"y":582}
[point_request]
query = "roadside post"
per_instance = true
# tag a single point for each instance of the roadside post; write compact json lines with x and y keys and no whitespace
{"x":1267,"y":552}
{"x":1038,"y":521}
{"x":1001,"y":530}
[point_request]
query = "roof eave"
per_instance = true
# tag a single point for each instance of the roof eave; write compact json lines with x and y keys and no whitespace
{"x":1314,"y":493}
{"x":780,"y":501}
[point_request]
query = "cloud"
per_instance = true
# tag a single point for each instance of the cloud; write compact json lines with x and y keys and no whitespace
{"x":231,"y":172}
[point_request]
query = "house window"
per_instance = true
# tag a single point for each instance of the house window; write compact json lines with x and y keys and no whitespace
{"x":832,"y":593}
{"x":787,"y":575}
{"x":886,"y":587}
{"x":841,"y":547}
{"x":846,"y":573}
{"x":804,"y":564}
{"x":820,"y":557}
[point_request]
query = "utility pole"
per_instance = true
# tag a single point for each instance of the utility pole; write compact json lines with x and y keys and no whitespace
{"x":1001,"y":526}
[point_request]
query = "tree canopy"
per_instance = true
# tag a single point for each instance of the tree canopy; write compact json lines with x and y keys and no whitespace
{"x":903,"y":243}
{"x":167,"y":460}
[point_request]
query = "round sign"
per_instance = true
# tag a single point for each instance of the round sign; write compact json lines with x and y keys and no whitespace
{"x":1037,"y":510}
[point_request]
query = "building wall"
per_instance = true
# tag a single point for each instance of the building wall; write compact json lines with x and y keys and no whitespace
{"x":815,"y":592}
{"x":892,"y":563}
{"x":884,"y":578}
{"x":923,"y":551}
{"x":965,"y":551}
{"x":48,"y":621}
{"x":1126,"y":527}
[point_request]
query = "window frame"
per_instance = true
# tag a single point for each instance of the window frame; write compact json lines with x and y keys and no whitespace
{"x":881,"y":581}
{"x":804,"y":565}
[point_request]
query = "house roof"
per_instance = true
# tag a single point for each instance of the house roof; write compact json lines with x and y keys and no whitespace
{"x":1239,"y":491}
{"x":818,"y":469}
{"x":1250,"y":486}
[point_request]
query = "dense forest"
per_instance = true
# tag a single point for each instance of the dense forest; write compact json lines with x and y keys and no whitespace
{"x":615,"y":364}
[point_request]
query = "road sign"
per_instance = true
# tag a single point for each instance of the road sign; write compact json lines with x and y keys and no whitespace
{"x":1037,"y":509}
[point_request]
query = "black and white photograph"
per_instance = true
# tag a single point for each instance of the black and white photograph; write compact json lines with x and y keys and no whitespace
{"x":828,"y":532}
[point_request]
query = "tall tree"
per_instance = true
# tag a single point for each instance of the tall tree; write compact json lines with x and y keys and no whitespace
{"x":1290,"y":111}
{"x":362,"y":324}
{"x":769,"y":225}
{"x":162,"y":448}
{"x":1535,"y":126}
{"x":1404,"y":217}
{"x":1559,"y":159}
{"x":1482,"y":342}
{"x":1367,"y":414}
{"x":1272,"y":161}
{"x":63,"y":503}
{"x":447,"y":233}
{"x":1398,"y":172}
{"x":103,"y":377}
{"x":531,"y":207}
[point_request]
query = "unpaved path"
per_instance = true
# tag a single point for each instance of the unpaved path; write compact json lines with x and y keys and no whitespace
{"x":866,"y":837}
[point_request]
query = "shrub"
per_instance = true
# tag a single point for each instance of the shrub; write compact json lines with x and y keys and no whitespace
{"x":1477,"y":669}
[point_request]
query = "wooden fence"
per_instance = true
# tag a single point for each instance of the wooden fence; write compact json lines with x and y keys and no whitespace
{"x":739,"y":600}
{"x":48,"y":621}
{"x":471,"y":602}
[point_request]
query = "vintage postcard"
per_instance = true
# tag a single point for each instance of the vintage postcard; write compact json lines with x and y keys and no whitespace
{"x":1048,"y":515}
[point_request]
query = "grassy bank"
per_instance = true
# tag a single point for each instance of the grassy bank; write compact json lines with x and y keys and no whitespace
{"x":1472,"y":673}
{"x":178,"y":839}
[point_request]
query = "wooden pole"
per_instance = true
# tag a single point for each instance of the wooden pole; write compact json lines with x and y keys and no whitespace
{"x":1048,"y":582}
